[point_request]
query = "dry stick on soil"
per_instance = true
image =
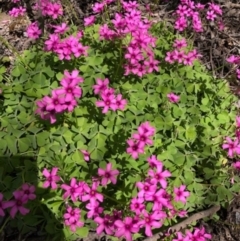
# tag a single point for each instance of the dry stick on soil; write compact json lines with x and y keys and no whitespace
{"x":231,"y":5}
{"x":195,"y":217}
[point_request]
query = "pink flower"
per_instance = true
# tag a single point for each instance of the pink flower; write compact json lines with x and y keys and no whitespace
{"x":137,"y":205}
{"x":52,"y":43}
{"x":72,"y":214}
{"x":152,"y":221}
{"x":170,"y":57}
{"x":221,"y":26}
{"x":107,"y":102}
{"x":188,"y":59}
{"x":55,"y":10}
{"x":70,"y":77}
{"x":73,"y":190}
{"x":232,"y":146}
{"x":180,"y":43}
{"x":74,"y":225}
{"x":108,"y":175}
{"x":56,"y":102}
{"x":200,"y":6}
{"x":98,"y":7}
{"x":92,"y":194}
{"x":51,"y":178}
{"x":151,"y":65}
{"x":198,"y":235}
{"x":181,"y":24}
{"x":211,"y":15}
{"x":28,"y":191}
{"x":42,"y":110}
{"x":3,"y":205}
{"x":153,"y":161}
{"x":100,"y":86}
{"x":70,"y":90}
{"x":106,"y":33}
{"x":86,"y":155}
{"x":126,"y":228}
{"x":89,"y":21}
{"x":142,"y":137}
{"x":146,"y":188}
{"x":33,"y":31}
{"x":181,"y":194}
{"x":236,"y":165}
{"x":178,"y":56}
{"x":135,"y":148}
{"x":94,"y":209}
{"x":173,"y":98}
{"x":16,"y":12}
{"x":182,"y":213}
{"x":120,"y":102}
{"x":134,"y":55}
{"x":202,"y":233}
{"x":104,"y":224}
{"x":129,"y":6}
{"x":215,"y":8}
{"x":159,"y":175}
{"x":147,"y":129}
{"x":233,"y":59}
{"x":160,"y":199}
{"x":60,"y":29}
{"x":17,"y":204}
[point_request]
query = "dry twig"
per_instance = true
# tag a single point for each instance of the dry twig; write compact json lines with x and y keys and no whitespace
{"x":193,"y":218}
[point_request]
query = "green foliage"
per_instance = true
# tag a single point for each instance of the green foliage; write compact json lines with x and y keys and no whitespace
{"x":188,"y":138}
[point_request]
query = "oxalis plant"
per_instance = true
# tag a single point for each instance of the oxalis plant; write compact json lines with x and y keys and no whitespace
{"x":102,"y":129}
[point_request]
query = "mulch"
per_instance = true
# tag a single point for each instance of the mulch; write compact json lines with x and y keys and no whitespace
{"x":213,"y":44}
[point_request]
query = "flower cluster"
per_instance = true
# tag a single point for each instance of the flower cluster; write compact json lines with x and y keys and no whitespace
{"x":60,"y":29}
{"x":140,"y":139}
{"x":51,"y":9}
{"x":139,"y":60}
{"x":139,"y":55}
{"x":152,"y":190}
{"x":20,"y":199}
{"x":199,"y":234}
{"x":189,"y":11}
{"x":214,"y":10}
{"x":65,"y":48}
{"x":109,"y":100}
{"x":16,"y":12}
{"x":81,"y":191}
{"x":72,"y":218}
{"x":180,"y":55}
{"x":63,"y":99}
{"x":33,"y":31}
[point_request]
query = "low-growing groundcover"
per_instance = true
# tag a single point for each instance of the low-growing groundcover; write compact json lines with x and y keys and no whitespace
{"x":102,"y":130}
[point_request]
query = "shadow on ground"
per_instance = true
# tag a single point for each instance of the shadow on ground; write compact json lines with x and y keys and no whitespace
{"x":40,"y":223}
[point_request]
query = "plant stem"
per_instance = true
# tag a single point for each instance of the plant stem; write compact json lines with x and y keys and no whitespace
{"x":4,"y":224}
{"x":113,"y":199}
